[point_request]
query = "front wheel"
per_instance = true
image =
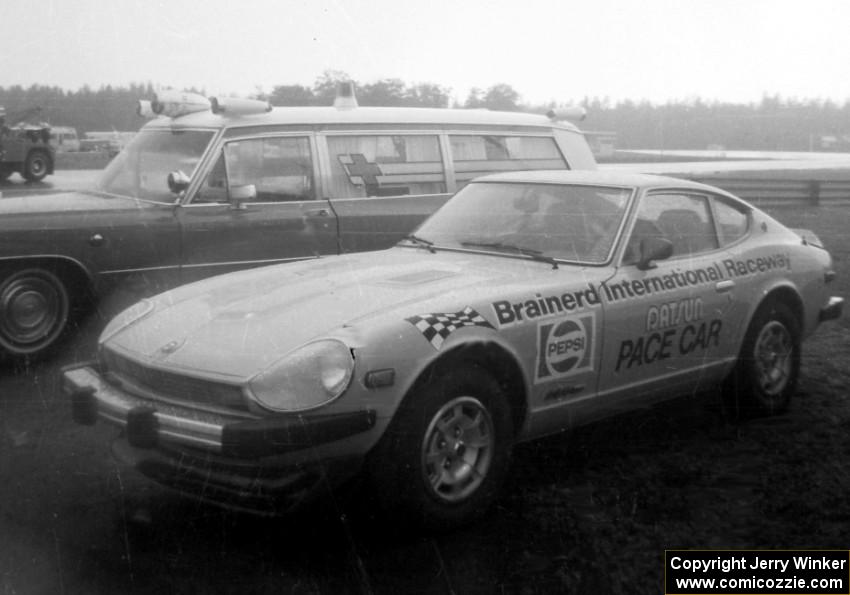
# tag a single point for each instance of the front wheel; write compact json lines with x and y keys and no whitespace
{"x":765,"y":377}
{"x":447,"y":452}
{"x":34,"y":310}
{"x":36,"y":166}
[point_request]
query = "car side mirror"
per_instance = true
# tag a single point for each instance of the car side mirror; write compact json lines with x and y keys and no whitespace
{"x":241,"y":194}
{"x":652,"y":249}
{"x":178,"y":182}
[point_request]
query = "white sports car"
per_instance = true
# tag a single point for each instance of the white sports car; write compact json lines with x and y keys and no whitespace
{"x":528,"y":304}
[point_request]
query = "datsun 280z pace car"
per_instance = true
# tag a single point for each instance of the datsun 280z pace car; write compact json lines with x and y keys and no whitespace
{"x":213,"y":186}
{"x":528,"y":304}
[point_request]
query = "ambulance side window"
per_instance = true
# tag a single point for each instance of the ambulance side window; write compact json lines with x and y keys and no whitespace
{"x":214,"y":188}
{"x":281,"y":169}
{"x":475,"y":155}
{"x":385,"y":165}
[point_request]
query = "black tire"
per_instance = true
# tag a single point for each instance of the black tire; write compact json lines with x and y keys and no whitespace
{"x":36,"y":165}
{"x":446,"y":453}
{"x":765,"y":377}
{"x":35,"y":307}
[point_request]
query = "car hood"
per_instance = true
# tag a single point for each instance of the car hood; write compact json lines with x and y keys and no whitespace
{"x":236,"y":325}
{"x":66,"y":202}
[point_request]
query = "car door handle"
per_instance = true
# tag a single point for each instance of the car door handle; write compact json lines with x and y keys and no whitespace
{"x":724,"y":286}
{"x":318,"y":213}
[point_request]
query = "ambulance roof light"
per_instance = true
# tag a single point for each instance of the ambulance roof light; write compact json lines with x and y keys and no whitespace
{"x":173,"y":104}
{"x":573,"y":113}
{"x":233,"y":106}
{"x":144,"y":108}
{"x":345,"y":98}
{"x":177,"y":103}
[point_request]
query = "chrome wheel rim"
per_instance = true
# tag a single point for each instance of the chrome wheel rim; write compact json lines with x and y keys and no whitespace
{"x":33,"y":309}
{"x":458,"y":449}
{"x":774,"y":349}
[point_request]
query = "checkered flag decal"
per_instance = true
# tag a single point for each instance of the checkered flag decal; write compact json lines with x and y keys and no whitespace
{"x":436,"y":328}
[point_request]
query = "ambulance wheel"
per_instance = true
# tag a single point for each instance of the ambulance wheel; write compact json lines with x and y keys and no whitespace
{"x":36,"y":166}
{"x":765,"y":377}
{"x":447,"y":451}
{"x":35,"y":307}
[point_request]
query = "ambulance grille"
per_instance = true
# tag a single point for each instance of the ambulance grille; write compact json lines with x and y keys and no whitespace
{"x":170,"y":386}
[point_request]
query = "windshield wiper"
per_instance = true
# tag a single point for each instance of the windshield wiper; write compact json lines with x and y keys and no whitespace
{"x":428,"y":244}
{"x":530,"y":252}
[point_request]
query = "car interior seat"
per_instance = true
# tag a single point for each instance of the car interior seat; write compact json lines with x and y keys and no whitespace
{"x":687,"y":231}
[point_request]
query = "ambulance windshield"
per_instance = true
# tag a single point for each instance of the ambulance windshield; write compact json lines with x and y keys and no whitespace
{"x":141,"y":169}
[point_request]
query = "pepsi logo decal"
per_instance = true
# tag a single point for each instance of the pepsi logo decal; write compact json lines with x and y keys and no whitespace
{"x":564,"y":347}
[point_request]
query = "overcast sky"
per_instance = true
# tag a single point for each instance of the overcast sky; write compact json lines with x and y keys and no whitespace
{"x":561,"y":50}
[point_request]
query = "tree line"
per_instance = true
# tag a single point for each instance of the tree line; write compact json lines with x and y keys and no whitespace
{"x":772,"y":124}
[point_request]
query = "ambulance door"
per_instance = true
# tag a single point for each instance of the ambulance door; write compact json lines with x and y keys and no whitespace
{"x":283,"y":220}
{"x":382,"y":184}
{"x":668,"y":326}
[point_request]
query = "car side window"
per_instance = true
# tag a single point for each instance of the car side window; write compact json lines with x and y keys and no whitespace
{"x":683,"y":219}
{"x":281,"y":169}
{"x":475,"y":155}
{"x":732,"y":221}
{"x":385,"y":165}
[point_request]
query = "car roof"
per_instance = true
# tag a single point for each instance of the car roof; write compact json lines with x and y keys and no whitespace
{"x":594,"y":177}
{"x":363,"y":115}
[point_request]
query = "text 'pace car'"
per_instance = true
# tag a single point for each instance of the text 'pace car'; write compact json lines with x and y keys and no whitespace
{"x":529,"y":303}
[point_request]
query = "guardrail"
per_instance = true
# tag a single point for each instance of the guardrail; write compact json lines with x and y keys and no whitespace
{"x":774,"y":192}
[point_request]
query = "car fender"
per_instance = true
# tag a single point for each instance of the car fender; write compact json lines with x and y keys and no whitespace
{"x":39,"y":259}
{"x":785,"y":290}
{"x":487,"y":348}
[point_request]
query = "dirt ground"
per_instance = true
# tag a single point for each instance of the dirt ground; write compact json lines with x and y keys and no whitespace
{"x":589,"y":512}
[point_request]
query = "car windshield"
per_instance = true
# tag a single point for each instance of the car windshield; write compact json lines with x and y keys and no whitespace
{"x":141,"y":169}
{"x":569,"y":222}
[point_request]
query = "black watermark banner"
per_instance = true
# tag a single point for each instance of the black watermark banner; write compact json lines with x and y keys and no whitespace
{"x":757,"y":572}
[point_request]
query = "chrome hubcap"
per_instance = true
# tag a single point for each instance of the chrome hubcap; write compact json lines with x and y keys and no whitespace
{"x":458,"y":449}
{"x":32,"y":309}
{"x":773,"y":357}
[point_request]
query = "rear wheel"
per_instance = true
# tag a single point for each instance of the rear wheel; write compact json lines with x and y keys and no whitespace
{"x":765,"y":377}
{"x":36,"y":165}
{"x":35,"y":308}
{"x":447,"y":452}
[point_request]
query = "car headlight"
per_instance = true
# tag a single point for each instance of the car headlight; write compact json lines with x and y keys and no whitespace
{"x":127,"y":317}
{"x":308,"y":377}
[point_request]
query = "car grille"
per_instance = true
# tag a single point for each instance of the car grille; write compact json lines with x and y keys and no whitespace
{"x":170,"y":386}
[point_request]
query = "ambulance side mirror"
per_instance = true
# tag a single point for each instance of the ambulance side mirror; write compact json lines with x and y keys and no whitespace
{"x":652,"y":249}
{"x":177,"y":182}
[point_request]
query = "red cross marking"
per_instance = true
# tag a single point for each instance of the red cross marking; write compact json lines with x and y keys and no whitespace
{"x":366,"y":170}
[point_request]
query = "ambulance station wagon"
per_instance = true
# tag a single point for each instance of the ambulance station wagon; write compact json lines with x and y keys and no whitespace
{"x":211,"y":186}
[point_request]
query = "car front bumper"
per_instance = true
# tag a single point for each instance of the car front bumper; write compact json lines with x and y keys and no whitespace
{"x":265,"y":489}
{"x":243,"y":462}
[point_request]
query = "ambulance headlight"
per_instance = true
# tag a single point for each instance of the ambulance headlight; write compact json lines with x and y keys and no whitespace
{"x":310,"y":376}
